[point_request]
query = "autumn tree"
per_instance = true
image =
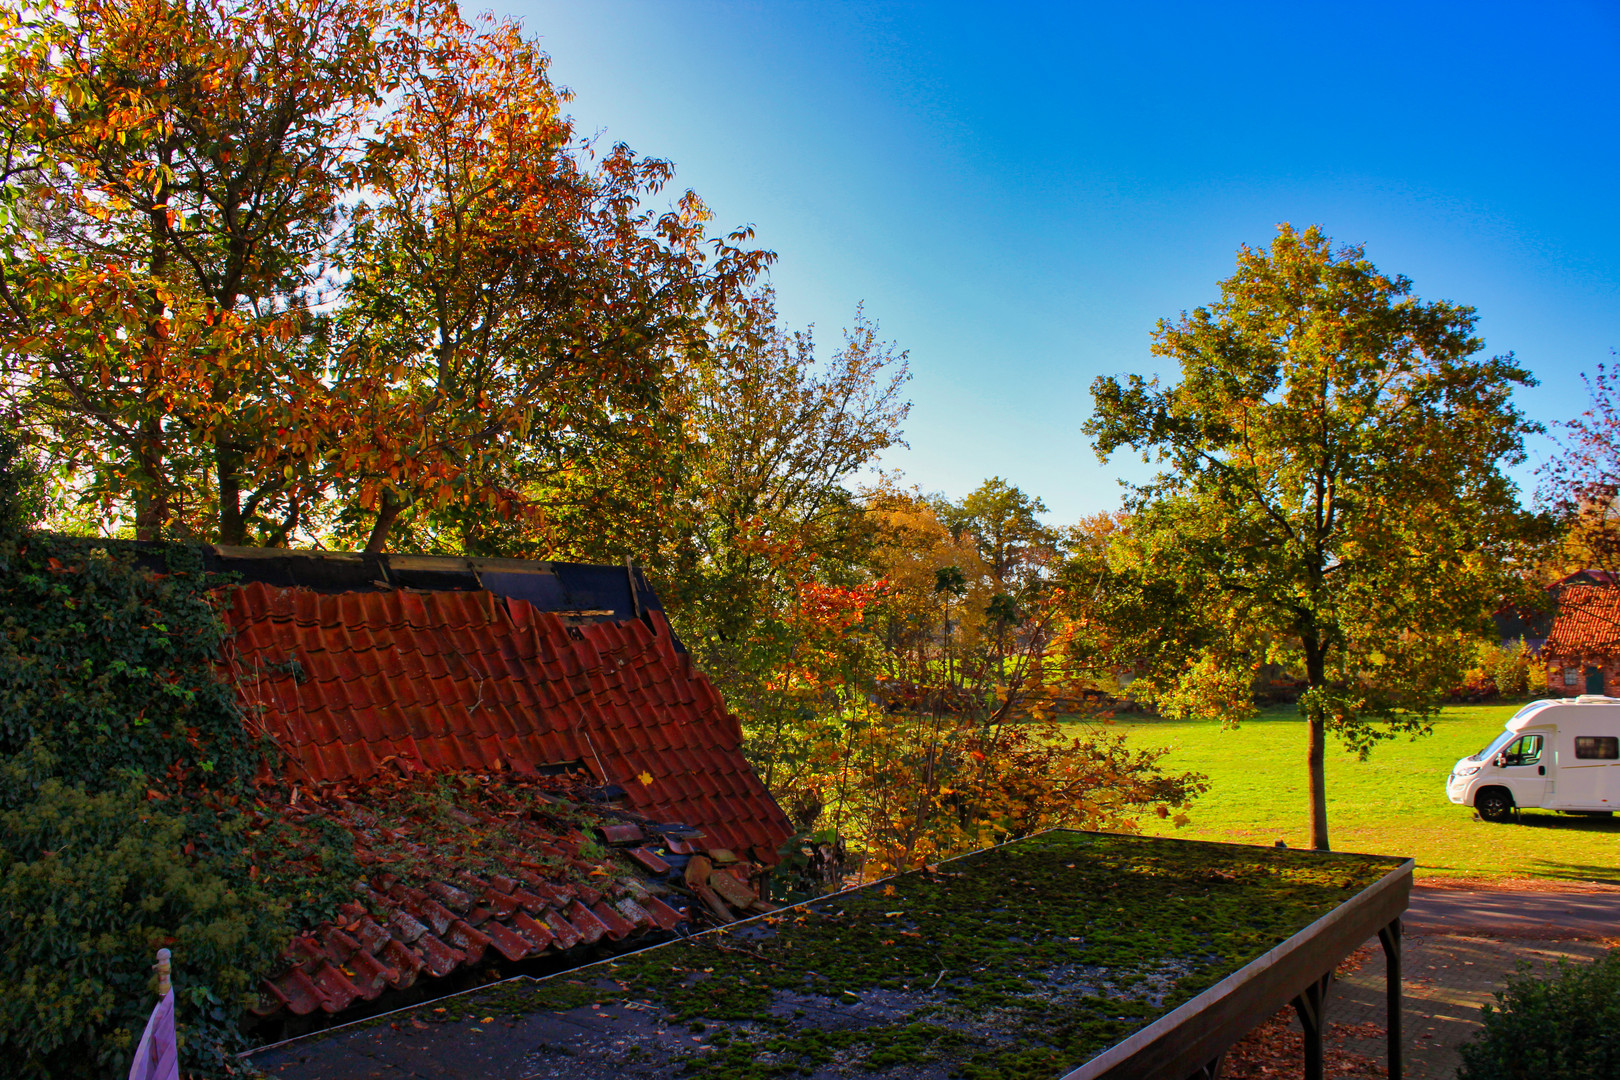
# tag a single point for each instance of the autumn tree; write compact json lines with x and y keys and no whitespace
{"x":332,"y":267}
{"x":939,"y":586}
{"x":945,"y":722}
{"x":1581,"y":485}
{"x":516,"y":313}
{"x":775,"y":432}
{"x":1004,"y":524}
{"x":173,"y":185}
{"x":1332,"y":498}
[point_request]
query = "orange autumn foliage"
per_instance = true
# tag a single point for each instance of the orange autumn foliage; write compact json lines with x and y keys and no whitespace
{"x":318,"y":267}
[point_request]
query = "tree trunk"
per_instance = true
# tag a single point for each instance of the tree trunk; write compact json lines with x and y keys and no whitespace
{"x":387,"y":514}
{"x":151,"y":494}
{"x":1314,"y":757}
{"x":228,"y":464}
{"x":1316,"y":754}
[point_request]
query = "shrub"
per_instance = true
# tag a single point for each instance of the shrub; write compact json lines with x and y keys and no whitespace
{"x":1508,"y":670}
{"x":1558,"y":1028}
{"x":91,"y":885}
{"x":109,"y":667}
{"x":126,"y":774}
{"x":1512,"y":669}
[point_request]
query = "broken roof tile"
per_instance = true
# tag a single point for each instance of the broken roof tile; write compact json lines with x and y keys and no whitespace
{"x":621,"y":834}
{"x":648,"y":860}
{"x":439,"y":901}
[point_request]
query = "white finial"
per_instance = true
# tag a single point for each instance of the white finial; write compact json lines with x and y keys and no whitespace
{"x":163,"y":972}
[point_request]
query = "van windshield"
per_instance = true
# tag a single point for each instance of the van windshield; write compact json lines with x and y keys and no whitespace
{"x":1496,"y":744}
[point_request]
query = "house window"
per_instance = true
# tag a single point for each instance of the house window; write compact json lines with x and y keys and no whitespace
{"x":1602,"y":747}
{"x":1572,"y":676}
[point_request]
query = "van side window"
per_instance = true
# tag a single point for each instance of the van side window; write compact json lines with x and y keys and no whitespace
{"x":1605,"y":747}
{"x":1526,"y":750}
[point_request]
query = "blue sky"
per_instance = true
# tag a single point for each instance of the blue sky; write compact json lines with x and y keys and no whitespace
{"x":1019,"y":191}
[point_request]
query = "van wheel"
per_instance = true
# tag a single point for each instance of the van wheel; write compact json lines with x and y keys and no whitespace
{"x":1494,"y":804}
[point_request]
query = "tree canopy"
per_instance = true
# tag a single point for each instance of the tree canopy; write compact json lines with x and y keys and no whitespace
{"x":1331,"y":498}
{"x":1581,"y":484}
{"x":272,"y":261}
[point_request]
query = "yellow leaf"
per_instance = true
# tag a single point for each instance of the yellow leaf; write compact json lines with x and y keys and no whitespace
{"x":645,"y":777}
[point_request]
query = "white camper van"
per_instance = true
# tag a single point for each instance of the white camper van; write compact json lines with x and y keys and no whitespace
{"x":1557,"y":755}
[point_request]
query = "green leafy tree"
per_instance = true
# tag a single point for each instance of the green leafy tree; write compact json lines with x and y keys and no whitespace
{"x":774,"y":434}
{"x":1005,"y":525}
{"x":1331,"y":498}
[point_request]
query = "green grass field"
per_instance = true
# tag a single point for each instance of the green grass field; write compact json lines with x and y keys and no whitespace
{"x":1394,"y":803}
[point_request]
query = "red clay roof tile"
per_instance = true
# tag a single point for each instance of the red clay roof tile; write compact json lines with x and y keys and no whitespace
{"x":438,"y":959}
{"x":618,"y":927}
{"x":648,"y":860}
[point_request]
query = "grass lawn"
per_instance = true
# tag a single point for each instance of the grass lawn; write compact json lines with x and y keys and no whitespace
{"x":1394,"y":803}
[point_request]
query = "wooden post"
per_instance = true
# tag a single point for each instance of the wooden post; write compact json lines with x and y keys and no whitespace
{"x":1311,"y":1005}
{"x":1390,"y":938}
{"x":163,"y":972}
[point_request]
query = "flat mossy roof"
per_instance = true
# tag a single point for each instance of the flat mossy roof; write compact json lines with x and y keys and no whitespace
{"x":1021,"y":961}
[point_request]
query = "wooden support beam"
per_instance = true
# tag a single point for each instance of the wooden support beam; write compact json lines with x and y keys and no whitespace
{"x":1390,"y":938}
{"x":1210,"y":1070}
{"x":1185,"y":1040}
{"x":1311,"y":1005}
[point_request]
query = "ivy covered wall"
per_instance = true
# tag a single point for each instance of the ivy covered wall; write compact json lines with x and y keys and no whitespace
{"x":126,"y":801}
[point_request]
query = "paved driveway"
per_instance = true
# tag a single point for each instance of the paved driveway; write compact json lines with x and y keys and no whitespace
{"x":1461,"y":944}
{"x":1503,"y":910}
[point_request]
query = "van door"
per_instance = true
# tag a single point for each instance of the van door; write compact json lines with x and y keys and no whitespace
{"x":1522,"y":770}
{"x":1587,"y":774}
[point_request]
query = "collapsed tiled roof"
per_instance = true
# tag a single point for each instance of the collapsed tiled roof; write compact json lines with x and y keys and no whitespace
{"x":457,"y":872}
{"x":1587,"y":625}
{"x":354,"y":685}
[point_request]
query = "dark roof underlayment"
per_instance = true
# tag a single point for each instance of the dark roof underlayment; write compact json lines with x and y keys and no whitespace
{"x":582,"y":592}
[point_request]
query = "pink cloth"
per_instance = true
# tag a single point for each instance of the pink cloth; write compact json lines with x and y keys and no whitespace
{"x":157,"y":1057}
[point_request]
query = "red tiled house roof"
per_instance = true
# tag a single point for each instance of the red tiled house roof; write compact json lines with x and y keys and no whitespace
{"x":353,"y":684}
{"x":1587,"y":626}
{"x":540,"y":888}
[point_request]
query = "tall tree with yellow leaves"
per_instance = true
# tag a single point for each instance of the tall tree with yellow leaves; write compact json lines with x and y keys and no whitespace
{"x":1332,"y":498}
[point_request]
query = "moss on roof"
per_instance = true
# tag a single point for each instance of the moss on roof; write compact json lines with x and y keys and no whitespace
{"x":1021,"y":961}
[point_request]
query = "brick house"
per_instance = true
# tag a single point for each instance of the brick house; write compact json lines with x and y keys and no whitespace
{"x":1582,"y":650}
